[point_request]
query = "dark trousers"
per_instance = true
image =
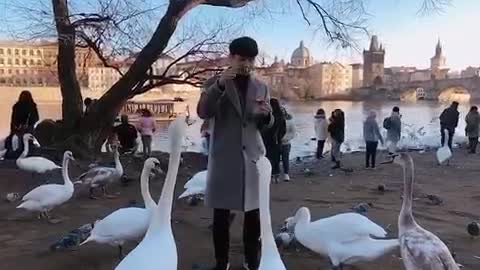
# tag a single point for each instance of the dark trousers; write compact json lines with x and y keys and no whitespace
{"x":473,"y":142}
{"x":371,"y":154}
{"x":273,"y":155}
{"x":251,"y":235}
{"x":320,"y":145}
{"x":450,"y":132}
{"x":286,"y":157}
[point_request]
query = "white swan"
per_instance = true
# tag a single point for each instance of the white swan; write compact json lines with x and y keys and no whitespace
{"x":270,"y":259}
{"x":46,"y":197}
{"x":345,"y":238}
{"x":420,"y":248}
{"x":102,"y":176}
{"x":34,"y":164}
{"x":196,"y":185}
{"x":158,"y":249}
{"x":127,"y":224}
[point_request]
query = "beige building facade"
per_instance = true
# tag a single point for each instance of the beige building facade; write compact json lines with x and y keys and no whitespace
{"x":35,"y":64}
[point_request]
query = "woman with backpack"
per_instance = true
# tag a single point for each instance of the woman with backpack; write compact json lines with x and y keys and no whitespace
{"x":393,"y":125}
{"x":336,"y":128}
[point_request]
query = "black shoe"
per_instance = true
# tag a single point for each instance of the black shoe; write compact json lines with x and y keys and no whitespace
{"x":337,"y":165}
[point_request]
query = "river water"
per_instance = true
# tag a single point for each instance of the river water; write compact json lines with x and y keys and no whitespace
{"x":420,"y":123}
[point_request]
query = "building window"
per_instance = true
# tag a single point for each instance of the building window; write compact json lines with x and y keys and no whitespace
{"x":17,"y":71}
{"x":17,"y":61}
{"x":32,"y":53}
{"x":24,"y":52}
{"x":9,"y":71}
{"x":2,"y":71}
{"x":1,"y":51}
{"x":24,"y":61}
{"x":39,"y":62}
{"x":17,"y":52}
{"x":39,"y":53}
{"x":9,"y":51}
{"x":32,"y":63}
{"x":2,"y":61}
{"x":9,"y":61}
{"x":24,"y":71}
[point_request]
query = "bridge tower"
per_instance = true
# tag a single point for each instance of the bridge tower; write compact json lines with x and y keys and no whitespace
{"x":373,"y":64}
{"x":438,"y":63}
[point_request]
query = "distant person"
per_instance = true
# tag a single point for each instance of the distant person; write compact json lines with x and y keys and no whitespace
{"x":24,"y":114}
{"x":321,"y":132}
{"x":371,"y":134}
{"x":472,"y":129}
{"x":87,"y":103}
{"x":448,"y":123}
{"x":290,"y":133}
{"x":393,"y":125}
{"x":272,"y":138}
{"x":336,"y":128}
{"x":147,"y":127}
{"x":205,"y":134}
{"x":127,"y":135}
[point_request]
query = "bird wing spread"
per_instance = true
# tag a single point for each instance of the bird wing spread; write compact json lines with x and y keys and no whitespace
{"x":124,"y":222}
{"x":97,"y":174}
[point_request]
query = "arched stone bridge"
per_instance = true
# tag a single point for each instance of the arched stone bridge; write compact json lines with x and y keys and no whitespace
{"x":430,"y":90}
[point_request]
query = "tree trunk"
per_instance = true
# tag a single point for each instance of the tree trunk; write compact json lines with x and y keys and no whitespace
{"x":72,"y":106}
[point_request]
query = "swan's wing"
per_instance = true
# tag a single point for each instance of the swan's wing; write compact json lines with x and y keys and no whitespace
{"x":123,"y":223}
{"x":198,"y":180}
{"x":40,"y":162}
{"x":97,"y":174}
{"x":424,"y":250}
{"x":43,"y":192}
{"x":352,"y":226}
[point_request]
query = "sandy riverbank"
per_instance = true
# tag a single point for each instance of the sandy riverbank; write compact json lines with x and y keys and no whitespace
{"x":24,"y":244}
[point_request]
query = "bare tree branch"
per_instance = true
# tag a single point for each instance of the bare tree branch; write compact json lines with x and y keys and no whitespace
{"x":433,"y":6}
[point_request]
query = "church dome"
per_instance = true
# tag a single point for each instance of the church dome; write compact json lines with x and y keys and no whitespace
{"x":301,"y":56}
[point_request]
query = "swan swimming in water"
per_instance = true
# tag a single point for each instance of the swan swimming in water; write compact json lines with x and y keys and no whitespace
{"x":345,"y":238}
{"x":127,"y":224}
{"x":270,"y":259}
{"x":420,"y":248}
{"x":158,"y":249}
{"x":102,"y":176}
{"x":34,"y":164}
{"x":46,"y":197}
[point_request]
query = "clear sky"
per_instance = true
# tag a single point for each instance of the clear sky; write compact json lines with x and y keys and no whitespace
{"x":409,"y":39}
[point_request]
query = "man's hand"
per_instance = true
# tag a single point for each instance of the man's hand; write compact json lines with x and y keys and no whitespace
{"x":264,"y":107}
{"x":228,"y":74}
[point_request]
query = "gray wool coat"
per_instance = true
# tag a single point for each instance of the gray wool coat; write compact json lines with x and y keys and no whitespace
{"x":235,"y":142}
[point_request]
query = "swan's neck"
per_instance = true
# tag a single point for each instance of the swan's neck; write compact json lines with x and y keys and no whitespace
{"x":145,"y":189}
{"x":26,"y":143}
{"x":163,"y":213}
{"x":268,"y":241}
{"x":118,"y":164}
{"x":66,"y":178}
{"x":406,"y":215}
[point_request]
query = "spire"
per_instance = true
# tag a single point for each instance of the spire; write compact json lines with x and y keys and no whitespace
{"x":438,"y":49}
{"x":275,"y":60}
{"x":301,"y":44}
{"x":374,"y":43}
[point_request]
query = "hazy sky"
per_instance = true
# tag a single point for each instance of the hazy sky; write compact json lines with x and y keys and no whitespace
{"x":409,"y":39}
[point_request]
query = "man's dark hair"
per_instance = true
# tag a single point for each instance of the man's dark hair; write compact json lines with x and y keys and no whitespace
{"x":124,"y":118}
{"x":396,"y":109}
{"x":244,"y":46}
{"x":455,"y":104}
{"x":87,"y":101}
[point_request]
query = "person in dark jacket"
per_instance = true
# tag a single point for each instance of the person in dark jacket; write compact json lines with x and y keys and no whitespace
{"x":24,"y":114}
{"x":272,"y":138}
{"x":472,"y":128}
{"x":371,"y":135}
{"x":336,"y":128}
{"x":127,"y":135}
{"x":448,"y":123}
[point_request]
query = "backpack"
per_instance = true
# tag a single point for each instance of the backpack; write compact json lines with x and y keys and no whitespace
{"x":387,"y":123}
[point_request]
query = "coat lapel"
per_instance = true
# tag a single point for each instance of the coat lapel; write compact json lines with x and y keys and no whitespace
{"x":231,"y":91}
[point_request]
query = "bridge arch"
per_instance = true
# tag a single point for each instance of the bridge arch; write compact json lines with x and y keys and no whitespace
{"x":454,"y":93}
{"x":413,"y":94}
